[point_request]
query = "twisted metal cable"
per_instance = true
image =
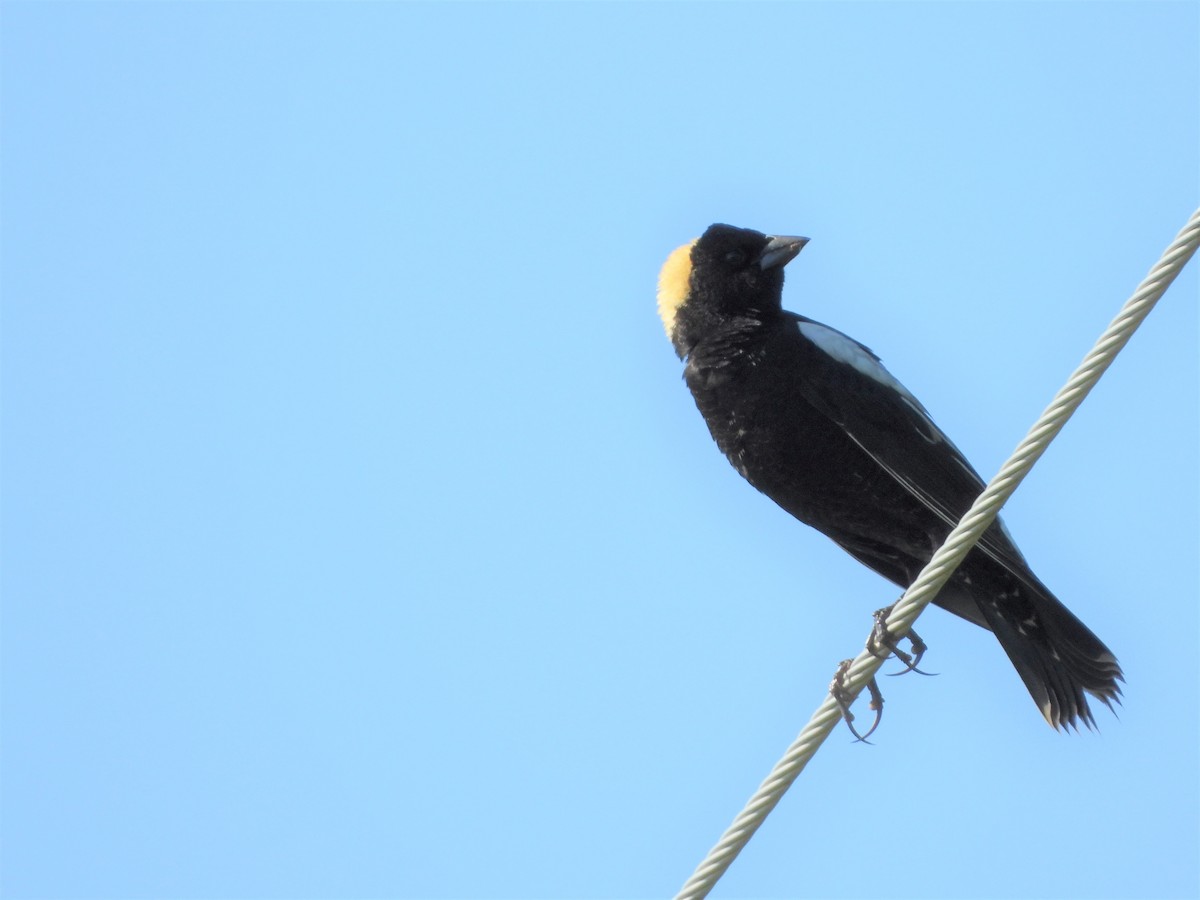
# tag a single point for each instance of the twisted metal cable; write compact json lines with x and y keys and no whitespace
{"x":947,"y":558}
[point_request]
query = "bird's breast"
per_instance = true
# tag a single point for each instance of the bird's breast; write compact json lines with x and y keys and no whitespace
{"x":757,"y":414}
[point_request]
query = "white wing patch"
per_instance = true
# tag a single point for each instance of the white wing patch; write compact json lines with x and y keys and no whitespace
{"x":853,"y":354}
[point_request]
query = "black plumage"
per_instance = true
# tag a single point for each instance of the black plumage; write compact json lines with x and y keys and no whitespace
{"x":812,"y":419}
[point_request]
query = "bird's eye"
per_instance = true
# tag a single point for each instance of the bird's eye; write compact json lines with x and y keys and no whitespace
{"x":735,"y":258}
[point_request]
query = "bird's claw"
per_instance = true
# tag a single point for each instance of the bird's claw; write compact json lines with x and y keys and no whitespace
{"x":838,"y":691}
{"x":884,"y":640}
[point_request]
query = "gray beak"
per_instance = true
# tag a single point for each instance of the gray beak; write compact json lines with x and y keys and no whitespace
{"x":780,"y":251}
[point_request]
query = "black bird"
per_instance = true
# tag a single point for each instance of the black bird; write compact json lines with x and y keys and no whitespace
{"x":812,"y":419}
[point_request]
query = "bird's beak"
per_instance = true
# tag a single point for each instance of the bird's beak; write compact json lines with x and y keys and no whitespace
{"x":780,"y":251}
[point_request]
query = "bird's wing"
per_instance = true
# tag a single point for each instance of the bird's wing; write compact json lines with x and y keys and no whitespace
{"x":851,"y":386}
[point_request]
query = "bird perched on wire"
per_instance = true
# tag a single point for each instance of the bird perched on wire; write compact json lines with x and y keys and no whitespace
{"x":811,"y":418}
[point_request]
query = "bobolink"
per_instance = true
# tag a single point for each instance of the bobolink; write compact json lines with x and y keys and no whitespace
{"x":812,"y":419}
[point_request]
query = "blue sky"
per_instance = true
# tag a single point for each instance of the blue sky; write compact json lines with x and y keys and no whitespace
{"x":360,"y":538}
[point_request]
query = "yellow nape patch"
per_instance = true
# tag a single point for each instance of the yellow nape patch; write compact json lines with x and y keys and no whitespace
{"x":673,"y":285}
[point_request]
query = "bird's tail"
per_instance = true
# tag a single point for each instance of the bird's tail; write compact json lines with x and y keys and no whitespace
{"x":1056,"y":655}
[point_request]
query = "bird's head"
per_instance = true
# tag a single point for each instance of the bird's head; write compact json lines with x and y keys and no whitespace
{"x":725,"y":273}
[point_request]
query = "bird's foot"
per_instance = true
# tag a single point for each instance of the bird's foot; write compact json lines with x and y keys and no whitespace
{"x":837,"y":689}
{"x":883,"y":643}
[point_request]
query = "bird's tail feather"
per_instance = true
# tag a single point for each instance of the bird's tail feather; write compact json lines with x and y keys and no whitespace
{"x":1058,"y":657}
